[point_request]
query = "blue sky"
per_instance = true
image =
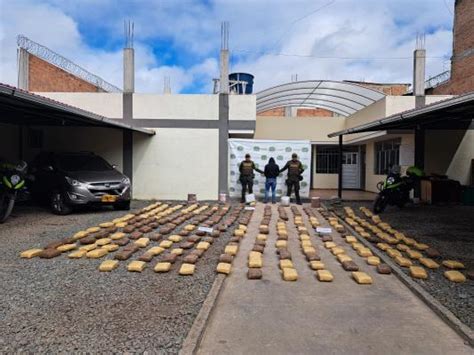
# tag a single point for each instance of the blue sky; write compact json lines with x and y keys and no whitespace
{"x":368,"y":40}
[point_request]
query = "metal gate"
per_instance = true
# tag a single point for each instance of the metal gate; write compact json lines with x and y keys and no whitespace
{"x":350,"y":170}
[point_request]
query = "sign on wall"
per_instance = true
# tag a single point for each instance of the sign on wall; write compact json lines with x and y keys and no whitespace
{"x":261,"y":151}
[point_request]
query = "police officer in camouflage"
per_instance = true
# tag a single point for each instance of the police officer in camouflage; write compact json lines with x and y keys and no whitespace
{"x":246,"y":169}
{"x":295,"y":169}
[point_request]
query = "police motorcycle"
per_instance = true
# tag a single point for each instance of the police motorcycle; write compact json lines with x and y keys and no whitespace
{"x":12,"y":186}
{"x":395,"y":190}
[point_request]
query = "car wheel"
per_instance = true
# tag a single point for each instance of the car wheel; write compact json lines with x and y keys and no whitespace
{"x":58,"y":204}
{"x":122,"y":206}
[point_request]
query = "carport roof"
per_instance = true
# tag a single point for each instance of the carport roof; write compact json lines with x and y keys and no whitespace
{"x":344,"y":98}
{"x":453,"y":113}
{"x":21,"y":107}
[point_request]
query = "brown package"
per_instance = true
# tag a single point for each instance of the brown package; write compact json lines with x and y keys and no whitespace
{"x":190,"y":259}
{"x":169,"y":258}
{"x":155,"y":237}
{"x":186,"y":245}
{"x":54,"y":245}
{"x":123,"y":255}
{"x":327,"y":238}
{"x":226,"y":258}
{"x":128,"y":229}
{"x":312,"y":256}
{"x":136,"y":235}
{"x":384,"y":269}
{"x":131,"y":248}
{"x":258,"y":248}
{"x":194,"y":239}
{"x":147,"y":257}
{"x":350,"y":266}
{"x":284,"y":254}
{"x":121,"y":242}
{"x":432,"y":253}
{"x":49,"y":253}
{"x":87,"y":240}
{"x":215,"y":234}
{"x":145,"y":229}
{"x":254,"y":274}
{"x":183,"y":233}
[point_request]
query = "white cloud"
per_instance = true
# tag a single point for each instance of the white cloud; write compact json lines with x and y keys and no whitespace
{"x":346,"y":28}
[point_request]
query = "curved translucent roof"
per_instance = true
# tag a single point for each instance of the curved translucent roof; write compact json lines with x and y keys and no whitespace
{"x":341,"y":97}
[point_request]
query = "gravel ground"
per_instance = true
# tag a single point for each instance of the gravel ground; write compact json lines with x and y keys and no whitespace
{"x":63,"y":305}
{"x":449,"y":229}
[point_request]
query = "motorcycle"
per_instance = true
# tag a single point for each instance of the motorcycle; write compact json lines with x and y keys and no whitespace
{"x":395,"y":190}
{"x":12,"y":182}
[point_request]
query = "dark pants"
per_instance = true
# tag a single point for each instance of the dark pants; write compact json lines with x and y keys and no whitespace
{"x":292,"y":184}
{"x":247,"y":185}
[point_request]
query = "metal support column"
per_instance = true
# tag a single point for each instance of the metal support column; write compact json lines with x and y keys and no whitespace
{"x":419,"y":155}
{"x":339,"y":168}
{"x":128,"y":154}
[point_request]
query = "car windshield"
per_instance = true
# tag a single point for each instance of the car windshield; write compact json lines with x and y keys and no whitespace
{"x":82,"y":163}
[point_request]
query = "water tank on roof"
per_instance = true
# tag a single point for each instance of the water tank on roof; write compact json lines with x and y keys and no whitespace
{"x":239,"y":88}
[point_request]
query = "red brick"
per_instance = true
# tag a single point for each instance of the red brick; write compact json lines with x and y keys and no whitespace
{"x":45,"y":77}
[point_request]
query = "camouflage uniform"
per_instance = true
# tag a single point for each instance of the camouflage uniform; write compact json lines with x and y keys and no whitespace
{"x":295,"y":169}
{"x":246,"y":169}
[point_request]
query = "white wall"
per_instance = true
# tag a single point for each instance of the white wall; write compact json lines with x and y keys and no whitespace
{"x":103,"y":141}
{"x":314,"y":129}
{"x":176,"y":162}
{"x":101,"y":103}
{"x":178,"y":107}
{"x":242,"y":107}
{"x":452,"y":157}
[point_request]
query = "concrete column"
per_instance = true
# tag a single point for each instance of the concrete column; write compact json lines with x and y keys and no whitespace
{"x":224,"y":71}
{"x":127,"y":153}
{"x":223,"y":142}
{"x":23,"y":60}
{"x":419,"y":63}
{"x":128,"y":70}
{"x":339,"y":168}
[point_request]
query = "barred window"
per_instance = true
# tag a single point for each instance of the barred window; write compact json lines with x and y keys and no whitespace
{"x":387,"y":154}
{"x":326,"y":159}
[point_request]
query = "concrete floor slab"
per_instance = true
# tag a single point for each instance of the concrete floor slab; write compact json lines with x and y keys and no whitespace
{"x":307,"y":316}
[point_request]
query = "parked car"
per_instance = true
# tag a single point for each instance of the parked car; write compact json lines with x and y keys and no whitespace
{"x":68,"y":180}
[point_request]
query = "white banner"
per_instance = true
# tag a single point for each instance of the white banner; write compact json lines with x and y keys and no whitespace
{"x":261,"y":151}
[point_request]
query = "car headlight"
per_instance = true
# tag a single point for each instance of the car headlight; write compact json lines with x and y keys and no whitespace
{"x":126,"y":181}
{"x":390,"y":180}
{"x":73,"y":182}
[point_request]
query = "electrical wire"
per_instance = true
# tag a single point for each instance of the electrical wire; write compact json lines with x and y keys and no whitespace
{"x":329,"y":57}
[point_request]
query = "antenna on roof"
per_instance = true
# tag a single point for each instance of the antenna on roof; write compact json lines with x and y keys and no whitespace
{"x":225,"y":35}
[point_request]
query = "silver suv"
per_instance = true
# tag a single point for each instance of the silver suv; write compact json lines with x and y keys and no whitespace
{"x":67,"y":180}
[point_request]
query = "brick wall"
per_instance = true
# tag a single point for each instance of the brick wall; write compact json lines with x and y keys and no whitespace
{"x":301,"y":112}
{"x":462,"y":62}
{"x":45,"y":77}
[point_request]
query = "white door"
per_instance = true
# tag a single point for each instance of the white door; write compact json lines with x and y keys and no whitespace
{"x":350,"y":170}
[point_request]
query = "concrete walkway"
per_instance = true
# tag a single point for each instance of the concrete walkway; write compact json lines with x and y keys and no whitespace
{"x":271,"y":316}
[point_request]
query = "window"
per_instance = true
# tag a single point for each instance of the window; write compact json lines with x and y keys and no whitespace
{"x":326,"y":159}
{"x":387,"y":154}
